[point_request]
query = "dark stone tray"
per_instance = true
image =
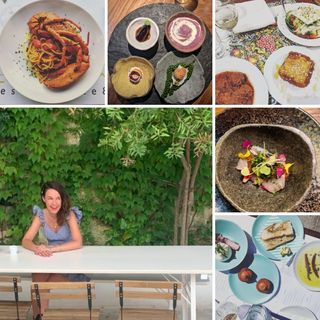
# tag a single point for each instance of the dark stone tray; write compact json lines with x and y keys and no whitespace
{"x":119,"y":47}
{"x":285,"y":116}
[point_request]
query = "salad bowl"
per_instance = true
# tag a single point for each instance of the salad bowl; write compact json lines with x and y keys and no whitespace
{"x":290,"y":141}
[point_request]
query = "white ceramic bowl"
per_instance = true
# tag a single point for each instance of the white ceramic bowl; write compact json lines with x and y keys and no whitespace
{"x":134,"y":25}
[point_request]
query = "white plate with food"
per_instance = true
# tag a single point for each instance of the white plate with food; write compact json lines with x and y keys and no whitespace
{"x":293,"y":75}
{"x":306,"y":266}
{"x":239,"y":82}
{"x":65,"y":50}
{"x":301,"y":23}
{"x":297,"y":313}
{"x":278,"y":237}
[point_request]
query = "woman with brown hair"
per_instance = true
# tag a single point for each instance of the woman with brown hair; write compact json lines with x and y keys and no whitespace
{"x":60,"y":226}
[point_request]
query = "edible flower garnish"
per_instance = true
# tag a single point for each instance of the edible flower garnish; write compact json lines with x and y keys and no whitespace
{"x":265,"y":169}
{"x":246,"y":144}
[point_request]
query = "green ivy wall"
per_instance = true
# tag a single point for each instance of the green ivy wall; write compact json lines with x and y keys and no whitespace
{"x":122,"y":205}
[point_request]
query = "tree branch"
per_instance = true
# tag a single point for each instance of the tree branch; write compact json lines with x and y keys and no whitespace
{"x":184,"y":209}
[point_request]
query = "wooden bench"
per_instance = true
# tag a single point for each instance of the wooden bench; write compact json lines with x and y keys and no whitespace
{"x":12,"y":309}
{"x":66,"y":291}
{"x":147,"y":290}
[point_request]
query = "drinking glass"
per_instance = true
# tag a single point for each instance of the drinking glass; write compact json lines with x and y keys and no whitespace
{"x":257,"y":312}
{"x":226,"y":18}
{"x":188,"y":4}
{"x":225,"y":310}
{"x":220,"y":50}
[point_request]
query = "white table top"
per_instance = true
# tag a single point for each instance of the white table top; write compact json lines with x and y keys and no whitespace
{"x":112,"y":260}
{"x":291,"y":292}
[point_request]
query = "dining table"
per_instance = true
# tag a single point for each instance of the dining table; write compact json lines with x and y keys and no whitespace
{"x":257,"y":45}
{"x":291,"y":292}
{"x":118,"y":10}
{"x":190,"y":262}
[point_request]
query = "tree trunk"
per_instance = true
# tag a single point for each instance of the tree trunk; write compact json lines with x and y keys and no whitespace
{"x":177,"y":209}
{"x":184,"y":208}
{"x":194,"y":174}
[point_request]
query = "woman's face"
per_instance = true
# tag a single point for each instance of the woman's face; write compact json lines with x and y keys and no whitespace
{"x":52,"y":200}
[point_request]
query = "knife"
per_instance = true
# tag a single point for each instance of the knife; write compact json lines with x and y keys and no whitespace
{"x":278,"y":316}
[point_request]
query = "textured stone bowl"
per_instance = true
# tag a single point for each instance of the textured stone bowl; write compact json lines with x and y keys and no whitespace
{"x":282,"y":139}
{"x":121,"y":82}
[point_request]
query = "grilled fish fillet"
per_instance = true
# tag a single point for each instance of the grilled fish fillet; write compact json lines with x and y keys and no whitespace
{"x":277,"y":234}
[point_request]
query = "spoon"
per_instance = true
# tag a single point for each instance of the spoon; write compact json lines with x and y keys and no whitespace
{"x":285,"y":15}
{"x":283,"y":6}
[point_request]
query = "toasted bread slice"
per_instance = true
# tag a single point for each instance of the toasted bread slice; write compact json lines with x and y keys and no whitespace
{"x":277,"y":234}
{"x":297,"y":69}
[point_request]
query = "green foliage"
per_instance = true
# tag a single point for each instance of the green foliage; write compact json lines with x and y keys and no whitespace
{"x":134,"y":130}
{"x":135,"y":203}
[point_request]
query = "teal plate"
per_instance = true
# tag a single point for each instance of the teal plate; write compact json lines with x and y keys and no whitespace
{"x":247,"y":292}
{"x":232,"y":231}
{"x":262,"y":222}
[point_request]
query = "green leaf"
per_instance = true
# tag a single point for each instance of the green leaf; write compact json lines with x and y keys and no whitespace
{"x":265,"y":170}
{"x":245,"y":172}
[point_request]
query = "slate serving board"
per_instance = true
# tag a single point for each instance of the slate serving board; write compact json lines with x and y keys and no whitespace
{"x":285,"y":116}
{"x":119,"y":48}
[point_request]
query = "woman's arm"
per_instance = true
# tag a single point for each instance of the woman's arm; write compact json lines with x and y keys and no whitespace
{"x":27,"y":241}
{"x":76,"y":242}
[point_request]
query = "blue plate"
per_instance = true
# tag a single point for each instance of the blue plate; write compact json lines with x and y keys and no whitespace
{"x":262,"y":222}
{"x":232,"y":231}
{"x":247,"y":292}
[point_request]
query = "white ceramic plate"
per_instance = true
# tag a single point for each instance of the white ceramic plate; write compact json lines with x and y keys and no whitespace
{"x":299,"y":262}
{"x":297,"y":313}
{"x":253,"y":73}
{"x":281,"y":21}
{"x":285,"y":92}
{"x":13,"y":64}
{"x":132,"y":28}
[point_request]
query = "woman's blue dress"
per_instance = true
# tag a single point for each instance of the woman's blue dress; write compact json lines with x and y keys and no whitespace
{"x":63,"y":235}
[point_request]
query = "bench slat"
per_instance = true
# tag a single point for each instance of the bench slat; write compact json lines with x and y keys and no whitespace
{"x":146,"y":314}
{"x":147,"y":284}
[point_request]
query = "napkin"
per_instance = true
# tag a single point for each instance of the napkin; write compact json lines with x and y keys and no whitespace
{"x":253,"y":15}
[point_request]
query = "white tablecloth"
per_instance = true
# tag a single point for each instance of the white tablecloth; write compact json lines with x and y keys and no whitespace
{"x":291,"y":293}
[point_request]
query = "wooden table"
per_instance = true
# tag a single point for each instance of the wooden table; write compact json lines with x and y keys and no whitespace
{"x":167,"y":260}
{"x":117,"y":10}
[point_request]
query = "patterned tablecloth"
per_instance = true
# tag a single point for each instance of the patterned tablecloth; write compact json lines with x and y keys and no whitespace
{"x":256,"y":46}
{"x":96,"y":94}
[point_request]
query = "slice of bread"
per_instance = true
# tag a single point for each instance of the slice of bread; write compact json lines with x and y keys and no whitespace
{"x":277,"y":234}
{"x":297,"y":69}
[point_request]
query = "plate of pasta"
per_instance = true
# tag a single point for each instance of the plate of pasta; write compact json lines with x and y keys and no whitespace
{"x":52,"y":51}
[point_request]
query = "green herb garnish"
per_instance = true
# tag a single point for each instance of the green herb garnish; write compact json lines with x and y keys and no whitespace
{"x":170,"y":88}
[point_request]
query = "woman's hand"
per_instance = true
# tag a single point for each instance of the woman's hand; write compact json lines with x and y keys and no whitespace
{"x":43,"y":251}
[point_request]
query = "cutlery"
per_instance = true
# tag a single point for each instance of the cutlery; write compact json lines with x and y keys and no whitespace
{"x":285,"y":15}
{"x":283,"y":6}
{"x":278,"y":316}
